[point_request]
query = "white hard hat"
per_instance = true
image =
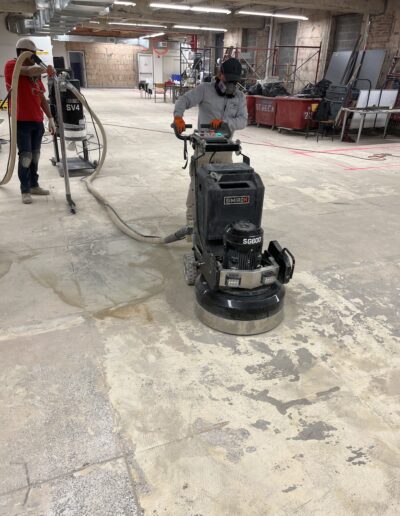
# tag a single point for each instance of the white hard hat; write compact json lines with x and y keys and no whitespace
{"x":26,"y":44}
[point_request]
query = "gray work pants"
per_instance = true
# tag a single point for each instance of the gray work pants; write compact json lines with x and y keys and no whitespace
{"x":219,"y":157}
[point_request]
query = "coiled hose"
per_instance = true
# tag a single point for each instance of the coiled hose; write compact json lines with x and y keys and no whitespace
{"x":112,"y":212}
{"x":13,"y":117}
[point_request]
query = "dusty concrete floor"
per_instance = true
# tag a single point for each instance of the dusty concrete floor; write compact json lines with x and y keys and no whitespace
{"x":115,"y":399}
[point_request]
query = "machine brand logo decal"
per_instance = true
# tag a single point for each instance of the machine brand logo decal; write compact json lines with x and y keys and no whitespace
{"x":237,"y":199}
{"x":251,"y":241}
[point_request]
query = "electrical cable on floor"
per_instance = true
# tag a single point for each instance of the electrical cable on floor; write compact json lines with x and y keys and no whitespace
{"x":90,"y":146}
{"x":137,"y":128}
{"x":370,"y":158}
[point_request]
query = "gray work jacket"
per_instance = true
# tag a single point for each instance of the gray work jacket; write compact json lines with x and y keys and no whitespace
{"x":232,"y":111}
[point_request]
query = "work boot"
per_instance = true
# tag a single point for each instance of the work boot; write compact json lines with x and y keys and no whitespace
{"x":26,"y":198}
{"x":38,"y":190}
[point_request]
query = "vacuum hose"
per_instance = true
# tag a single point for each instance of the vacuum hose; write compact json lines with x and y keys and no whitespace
{"x":112,"y":212}
{"x":13,"y":117}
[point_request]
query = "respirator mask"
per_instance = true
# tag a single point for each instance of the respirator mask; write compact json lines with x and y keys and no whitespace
{"x":226,"y":89}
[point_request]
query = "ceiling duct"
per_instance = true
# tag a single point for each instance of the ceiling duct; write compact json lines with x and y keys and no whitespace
{"x":56,"y":16}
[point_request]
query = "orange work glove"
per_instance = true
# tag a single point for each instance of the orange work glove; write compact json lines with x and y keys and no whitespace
{"x":179,"y":124}
{"x":216,"y":123}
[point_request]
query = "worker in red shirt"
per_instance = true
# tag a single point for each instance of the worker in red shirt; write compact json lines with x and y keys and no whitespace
{"x":30,"y":129}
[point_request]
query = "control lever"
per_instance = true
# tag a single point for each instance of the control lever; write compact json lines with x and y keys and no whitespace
{"x":185,"y":139}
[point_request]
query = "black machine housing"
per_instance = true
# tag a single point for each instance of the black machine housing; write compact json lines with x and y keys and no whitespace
{"x":74,"y":128}
{"x":235,"y":278}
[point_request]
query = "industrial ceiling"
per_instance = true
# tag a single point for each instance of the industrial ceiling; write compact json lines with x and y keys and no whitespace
{"x":147,"y":18}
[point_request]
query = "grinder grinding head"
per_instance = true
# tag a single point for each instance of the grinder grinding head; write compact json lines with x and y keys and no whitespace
{"x":240,"y":312}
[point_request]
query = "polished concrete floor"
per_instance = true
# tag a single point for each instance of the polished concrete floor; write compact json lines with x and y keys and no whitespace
{"x":115,"y":400}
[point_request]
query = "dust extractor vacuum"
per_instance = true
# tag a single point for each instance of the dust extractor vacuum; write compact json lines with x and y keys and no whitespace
{"x":239,"y":286}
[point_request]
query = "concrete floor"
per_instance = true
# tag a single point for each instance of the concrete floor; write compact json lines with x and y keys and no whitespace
{"x":115,"y":400}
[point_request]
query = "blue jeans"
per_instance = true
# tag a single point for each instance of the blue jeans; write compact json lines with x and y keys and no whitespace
{"x":29,"y":140}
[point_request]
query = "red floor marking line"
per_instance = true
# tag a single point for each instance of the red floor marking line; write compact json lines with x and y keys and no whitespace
{"x":372,"y":168}
{"x":303,"y":153}
{"x":320,"y":158}
{"x":371,"y":147}
{"x":340,"y":165}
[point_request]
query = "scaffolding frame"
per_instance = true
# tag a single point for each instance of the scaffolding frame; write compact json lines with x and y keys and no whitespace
{"x":296,"y":66}
{"x":202,"y":66}
{"x":257,"y":67}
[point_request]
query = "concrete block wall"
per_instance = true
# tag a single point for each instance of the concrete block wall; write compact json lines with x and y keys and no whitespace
{"x":233,"y":38}
{"x":347,"y":30}
{"x":262,"y":56}
{"x":380,"y":30}
{"x":313,"y":32}
{"x":110,"y":65}
{"x":384,"y":32}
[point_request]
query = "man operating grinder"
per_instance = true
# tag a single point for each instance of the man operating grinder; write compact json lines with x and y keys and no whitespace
{"x":30,"y":129}
{"x":222,"y":106}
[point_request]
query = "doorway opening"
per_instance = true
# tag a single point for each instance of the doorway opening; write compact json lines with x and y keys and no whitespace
{"x":78,"y":67}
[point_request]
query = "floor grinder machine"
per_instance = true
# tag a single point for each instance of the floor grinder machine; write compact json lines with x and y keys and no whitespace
{"x":239,"y":286}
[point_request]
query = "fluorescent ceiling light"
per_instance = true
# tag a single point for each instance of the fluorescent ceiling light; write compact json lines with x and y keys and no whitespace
{"x":138,"y":25}
{"x":171,"y":6}
{"x":178,"y":7}
{"x":121,"y":23}
{"x":210,"y":10}
{"x":155,"y":35}
{"x":117,"y":2}
{"x":273,"y":15}
{"x":151,"y":25}
{"x":191,"y":27}
{"x":96,"y":22}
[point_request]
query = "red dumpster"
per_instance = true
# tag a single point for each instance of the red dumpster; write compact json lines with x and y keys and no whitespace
{"x":266,"y":110}
{"x":251,"y":113}
{"x":295,"y":113}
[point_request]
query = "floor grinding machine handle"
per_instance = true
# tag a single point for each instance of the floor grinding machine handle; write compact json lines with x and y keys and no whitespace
{"x":179,"y":135}
{"x":185,"y":140}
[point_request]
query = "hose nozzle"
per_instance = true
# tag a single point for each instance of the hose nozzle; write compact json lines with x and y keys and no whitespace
{"x":180,"y":234}
{"x":38,"y":61}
